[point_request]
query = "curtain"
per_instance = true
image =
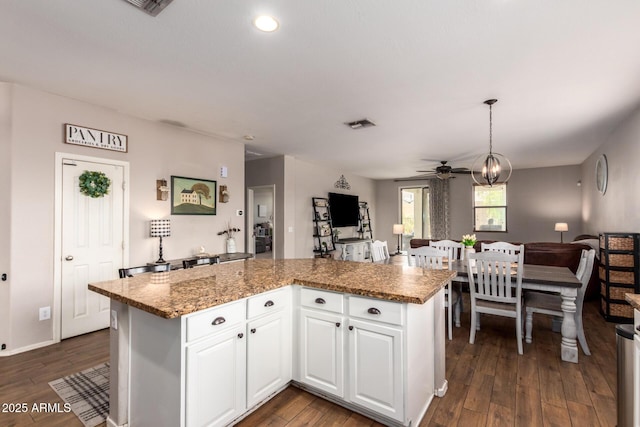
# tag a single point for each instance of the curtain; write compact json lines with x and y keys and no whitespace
{"x":439,"y":208}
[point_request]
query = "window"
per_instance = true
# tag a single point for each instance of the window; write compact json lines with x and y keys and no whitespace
{"x":490,"y":208}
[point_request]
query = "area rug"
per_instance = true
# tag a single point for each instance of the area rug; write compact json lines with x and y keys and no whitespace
{"x":87,"y":393}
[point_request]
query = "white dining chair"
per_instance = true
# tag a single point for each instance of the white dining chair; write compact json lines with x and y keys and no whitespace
{"x":550,"y":304}
{"x":432,"y":258}
{"x":455,"y":252}
{"x":495,"y":289}
{"x":379,"y":251}
{"x":454,"y":249}
{"x":504,"y":247}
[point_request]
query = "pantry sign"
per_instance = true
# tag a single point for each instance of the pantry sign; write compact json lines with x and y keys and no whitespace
{"x":95,"y":138}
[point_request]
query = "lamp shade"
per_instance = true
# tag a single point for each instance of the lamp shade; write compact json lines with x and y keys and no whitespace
{"x":398,"y":228}
{"x":561,"y":226}
{"x":160,"y":228}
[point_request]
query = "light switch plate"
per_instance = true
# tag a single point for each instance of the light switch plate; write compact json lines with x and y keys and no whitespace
{"x":224,"y":172}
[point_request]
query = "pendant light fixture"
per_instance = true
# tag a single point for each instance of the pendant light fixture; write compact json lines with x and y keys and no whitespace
{"x":492,"y":168}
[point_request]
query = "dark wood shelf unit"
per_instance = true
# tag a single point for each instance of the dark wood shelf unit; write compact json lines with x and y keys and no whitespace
{"x":618,"y":273}
{"x":322,"y":227}
{"x":364,"y":224}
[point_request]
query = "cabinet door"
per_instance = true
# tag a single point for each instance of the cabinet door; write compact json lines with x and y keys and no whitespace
{"x":268,"y":355}
{"x":215,"y":388}
{"x":375,"y":368}
{"x":322,"y":351}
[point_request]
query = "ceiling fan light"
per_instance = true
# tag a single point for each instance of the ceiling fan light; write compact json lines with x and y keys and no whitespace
{"x":491,"y":169}
{"x":443,"y":175}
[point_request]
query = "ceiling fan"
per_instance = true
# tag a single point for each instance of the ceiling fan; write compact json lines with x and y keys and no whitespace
{"x":444,"y":171}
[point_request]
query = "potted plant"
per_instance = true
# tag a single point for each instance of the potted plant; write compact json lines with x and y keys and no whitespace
{"x":469,"y":240}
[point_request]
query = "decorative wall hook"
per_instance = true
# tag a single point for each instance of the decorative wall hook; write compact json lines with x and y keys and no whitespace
{"x":162,"y":190}
{"x":224,"y":194}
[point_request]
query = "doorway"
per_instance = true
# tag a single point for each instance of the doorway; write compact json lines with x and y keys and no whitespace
{"x":91,"y":242}
{"x":414,"y":213}
{"x":261,"y":224}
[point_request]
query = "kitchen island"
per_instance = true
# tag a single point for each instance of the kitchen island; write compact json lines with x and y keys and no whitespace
{"x":206,"y":346}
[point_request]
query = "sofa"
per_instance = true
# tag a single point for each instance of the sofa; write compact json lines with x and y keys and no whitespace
{"x":551,"y":253}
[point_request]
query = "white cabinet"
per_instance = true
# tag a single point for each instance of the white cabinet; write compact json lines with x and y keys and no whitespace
{"x":268,"y":356}
{"x":236,"y":356}
{"x":376,"y":368}
{"x":321,"y":351}
{"x":357,"y":250}
{"x":368,"y":371}
{"x":211,"y":367}
{"x":215,"y":380}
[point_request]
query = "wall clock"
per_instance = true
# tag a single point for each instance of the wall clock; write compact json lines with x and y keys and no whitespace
{"x":601,"y":174}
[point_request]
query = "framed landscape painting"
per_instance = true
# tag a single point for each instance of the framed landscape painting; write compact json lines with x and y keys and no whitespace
{"x":192,"y":196}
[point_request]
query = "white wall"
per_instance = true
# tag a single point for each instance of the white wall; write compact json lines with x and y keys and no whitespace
{"x":263,"y":197}
{"x":536,"y":199}
{"x":618,"y":210}
{"x":156,"y":151}
{"x":296,"y":183}
{"x":315,"y":181}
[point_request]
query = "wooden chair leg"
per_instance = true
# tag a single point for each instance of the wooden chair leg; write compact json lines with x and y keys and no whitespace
{"x":528,"y":326}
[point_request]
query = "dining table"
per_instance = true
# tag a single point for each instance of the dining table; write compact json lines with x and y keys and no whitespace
{"x":559,"y":280}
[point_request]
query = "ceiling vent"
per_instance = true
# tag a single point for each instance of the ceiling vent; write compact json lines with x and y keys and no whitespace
{"x":152,"y":7}
{"x":359,"y":124}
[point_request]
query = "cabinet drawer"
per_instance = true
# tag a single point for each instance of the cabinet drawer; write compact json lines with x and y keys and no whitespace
{"x":376,"y":309}
{"x":268,"y":302}
{"x":214,"y":320}
{"x":322,"y":300}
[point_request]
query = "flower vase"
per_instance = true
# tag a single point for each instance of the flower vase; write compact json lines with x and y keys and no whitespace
{"x":231,"y":245}
{"x":470,"y":250}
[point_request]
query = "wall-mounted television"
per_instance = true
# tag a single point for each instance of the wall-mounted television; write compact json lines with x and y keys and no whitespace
{"x":344,"y":210}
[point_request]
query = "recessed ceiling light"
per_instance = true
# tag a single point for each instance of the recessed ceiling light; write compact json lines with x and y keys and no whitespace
{"x":266,"y":23}
{"x":249,"y":137}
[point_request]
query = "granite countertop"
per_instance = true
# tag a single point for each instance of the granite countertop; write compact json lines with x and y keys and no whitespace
{"x":176,"y":293}
{"x":633,"y":299}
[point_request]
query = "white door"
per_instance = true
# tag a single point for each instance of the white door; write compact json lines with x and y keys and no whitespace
{"x":321,"y":351}
{"x":375,"y":367}
{"x":92,"y":246}
{"x":251,"y":234}
{"x":216,"y":375}
{"x":268,"y":356}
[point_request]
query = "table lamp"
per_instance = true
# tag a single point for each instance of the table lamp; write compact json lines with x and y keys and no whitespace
{"x":399,"y":230}
{"x":561,"y":227}
{"x":160,"y":228}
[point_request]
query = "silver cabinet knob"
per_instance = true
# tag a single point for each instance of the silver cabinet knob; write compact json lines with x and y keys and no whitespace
{"x":69,"y":258}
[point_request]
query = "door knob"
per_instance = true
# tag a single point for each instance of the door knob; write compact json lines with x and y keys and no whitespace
{"x":69,"y":258}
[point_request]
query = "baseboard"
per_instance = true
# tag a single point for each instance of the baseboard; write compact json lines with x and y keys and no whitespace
{"x":441,"y":391}
{"x":27,"y":348}
{"x":354,"y":408}
{"x":111,"y":423}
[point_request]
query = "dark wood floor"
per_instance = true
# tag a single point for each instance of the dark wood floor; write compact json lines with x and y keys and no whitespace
{"x":489,"y":383}
{"x":24,"y":378}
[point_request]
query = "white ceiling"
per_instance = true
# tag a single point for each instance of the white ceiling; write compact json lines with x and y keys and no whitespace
{"x":565,"y":73}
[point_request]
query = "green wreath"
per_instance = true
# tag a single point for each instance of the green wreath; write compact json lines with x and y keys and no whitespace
{"x":94,"y":184}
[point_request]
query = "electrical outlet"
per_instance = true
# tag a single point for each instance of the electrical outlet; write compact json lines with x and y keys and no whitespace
{"x":114,"y":320}
{"x":45,"y":313}
{"x":4,"y":347}
{"x":239,"y":212}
